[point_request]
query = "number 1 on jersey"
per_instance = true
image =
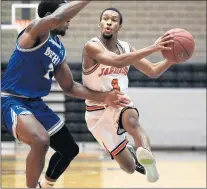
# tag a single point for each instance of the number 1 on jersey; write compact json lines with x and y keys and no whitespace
{"x":115,"y":84}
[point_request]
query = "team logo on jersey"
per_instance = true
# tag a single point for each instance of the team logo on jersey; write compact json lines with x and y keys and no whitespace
{"x":114,"y":70}
{"x":51,"y":54}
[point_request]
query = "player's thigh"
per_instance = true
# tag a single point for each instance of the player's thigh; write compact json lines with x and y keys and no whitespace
{"x":21,"y":122}
{"x":105,"y":130}
{"x":114,"y":144}
{"x":47,"y":117}
{"x":29,"y":130}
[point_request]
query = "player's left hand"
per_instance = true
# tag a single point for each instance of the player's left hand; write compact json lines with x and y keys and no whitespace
{"x":116,"y":99}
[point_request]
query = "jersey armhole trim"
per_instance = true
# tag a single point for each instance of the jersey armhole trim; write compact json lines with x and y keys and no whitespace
{"x":32,"y":49}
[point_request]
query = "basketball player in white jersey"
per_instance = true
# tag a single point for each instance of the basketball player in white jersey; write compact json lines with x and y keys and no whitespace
{"x":106,"y":62}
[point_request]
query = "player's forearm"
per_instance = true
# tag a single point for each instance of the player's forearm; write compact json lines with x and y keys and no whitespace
{"x":131,"y":58}
{"x":160,"y":67}
{"x":80,"y":91}
{"x":69,"y":10}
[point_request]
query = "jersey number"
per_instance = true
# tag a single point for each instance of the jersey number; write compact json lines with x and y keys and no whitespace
{"x":50,"y":69}
{"x":115,"y":84}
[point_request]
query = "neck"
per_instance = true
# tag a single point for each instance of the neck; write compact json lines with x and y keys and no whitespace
{"x":110,"y":43}
{"x":53,"y":35}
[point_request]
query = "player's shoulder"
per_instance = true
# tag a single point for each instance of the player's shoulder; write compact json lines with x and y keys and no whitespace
{"x":125,"y":44}
{"x":93,"y":43}
{"x":31,"y":24}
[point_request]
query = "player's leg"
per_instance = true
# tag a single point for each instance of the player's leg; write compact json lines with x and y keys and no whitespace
{"x":66,"y":149}
{"x":60,"y":140}
{"x":115,"y":145}
{"x":103,"y":126}
{"x":31,"y":132}
{"x":130,"y":122}
{"x":125,"y":160}
{"x":19,"y":120}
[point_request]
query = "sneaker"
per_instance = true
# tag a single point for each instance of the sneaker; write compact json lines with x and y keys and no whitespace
{"x":139,"y":167}
{"x":147,"y":160}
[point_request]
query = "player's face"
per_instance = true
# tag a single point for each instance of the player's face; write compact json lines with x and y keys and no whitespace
{"x":109,"y":24}
{"x":61,"y":30}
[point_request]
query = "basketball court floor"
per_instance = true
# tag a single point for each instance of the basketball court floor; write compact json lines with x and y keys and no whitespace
{"x":92,"y":168}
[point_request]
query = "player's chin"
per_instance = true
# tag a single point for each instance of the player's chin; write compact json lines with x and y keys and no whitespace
{"x":63,"y":33}
{"x":107,"y":35}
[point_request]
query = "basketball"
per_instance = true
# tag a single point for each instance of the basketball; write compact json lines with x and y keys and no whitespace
{"x":182,"y":48}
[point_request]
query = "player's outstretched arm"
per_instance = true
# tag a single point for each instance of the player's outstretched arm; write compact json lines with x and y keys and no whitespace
{"x":153,"y":70}
{"x":65,"y":79}
{"x":61,"y":15}
{"x":95,"y":51}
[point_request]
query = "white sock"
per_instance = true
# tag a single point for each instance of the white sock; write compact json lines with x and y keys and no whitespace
{"x":46,"y":183}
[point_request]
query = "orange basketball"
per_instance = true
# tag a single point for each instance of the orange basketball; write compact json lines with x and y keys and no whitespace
{"x":182,"y":48}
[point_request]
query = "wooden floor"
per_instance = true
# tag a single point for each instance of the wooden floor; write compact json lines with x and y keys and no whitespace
{"x":93,"y":169}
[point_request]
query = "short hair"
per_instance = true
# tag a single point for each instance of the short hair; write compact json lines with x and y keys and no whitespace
{"x":116,"y":10}
{"x":48,"y":6}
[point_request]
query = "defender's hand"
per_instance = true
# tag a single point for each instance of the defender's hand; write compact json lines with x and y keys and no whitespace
{"x":116,"y":99}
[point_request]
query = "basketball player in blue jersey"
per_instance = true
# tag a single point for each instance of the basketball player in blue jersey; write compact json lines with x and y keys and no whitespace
{"x":40,"y":55}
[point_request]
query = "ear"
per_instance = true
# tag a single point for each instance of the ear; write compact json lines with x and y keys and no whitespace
{"x":99,"y":24}
{"x":120,"y":27}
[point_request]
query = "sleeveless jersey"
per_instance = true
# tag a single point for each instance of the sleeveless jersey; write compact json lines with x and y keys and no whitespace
{"x":29,"y":72}
{"x":106,"y":78}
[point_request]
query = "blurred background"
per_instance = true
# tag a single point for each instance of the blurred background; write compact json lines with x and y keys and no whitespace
{"x":172,"y":108}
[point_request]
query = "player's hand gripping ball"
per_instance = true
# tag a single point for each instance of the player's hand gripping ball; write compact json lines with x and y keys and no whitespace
{"x":182,"y":48}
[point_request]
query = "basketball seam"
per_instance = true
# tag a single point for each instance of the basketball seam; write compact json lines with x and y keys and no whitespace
{"x":185,"y":38}
{"x":183,"y":48}
{"x":174,"y":53}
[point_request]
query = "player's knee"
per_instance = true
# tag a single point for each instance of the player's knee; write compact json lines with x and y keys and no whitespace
{"x":133,"y":124}
{"x":41,"y":141}
{"x":75,"y":150}
{"x":71,"y":152}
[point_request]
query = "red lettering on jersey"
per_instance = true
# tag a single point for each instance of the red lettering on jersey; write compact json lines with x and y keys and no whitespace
{"x":116,"y":70}
{"x":102,"y":70}
{"x":113,"y":70}
{"x":106,"y":72}
{"x":126,"y":69}
{"x":120,"y":70}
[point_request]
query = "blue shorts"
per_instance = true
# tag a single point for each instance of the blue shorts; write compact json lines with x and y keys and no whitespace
{"x":11,"y":107}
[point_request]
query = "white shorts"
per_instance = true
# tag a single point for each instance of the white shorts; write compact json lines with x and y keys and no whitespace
{"x":106,"y":127}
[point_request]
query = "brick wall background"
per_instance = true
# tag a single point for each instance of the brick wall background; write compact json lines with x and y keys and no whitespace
{"x":144,"y":22}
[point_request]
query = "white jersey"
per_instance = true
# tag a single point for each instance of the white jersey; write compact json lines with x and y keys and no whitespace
{"x":105,"y":78}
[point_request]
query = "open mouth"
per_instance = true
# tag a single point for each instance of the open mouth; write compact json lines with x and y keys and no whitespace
{"x":108,"y":29}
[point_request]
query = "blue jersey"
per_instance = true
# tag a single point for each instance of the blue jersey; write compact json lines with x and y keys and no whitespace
{"x":29,"y":72}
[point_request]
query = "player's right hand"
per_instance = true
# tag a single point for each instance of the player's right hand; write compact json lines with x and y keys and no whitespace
{"x":162,"y":42}
{"x":116,"y":99}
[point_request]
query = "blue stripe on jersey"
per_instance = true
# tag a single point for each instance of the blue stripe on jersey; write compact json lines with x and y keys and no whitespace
{"x":30,"y":71}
